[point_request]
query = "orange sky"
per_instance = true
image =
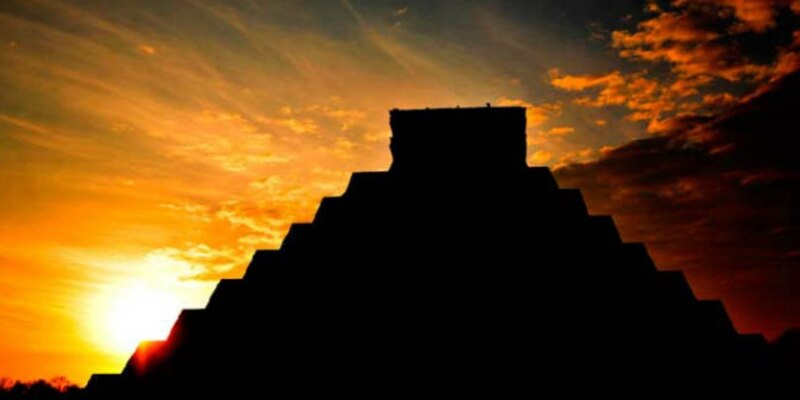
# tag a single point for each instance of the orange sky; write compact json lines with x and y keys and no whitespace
{"x":147,"y":148}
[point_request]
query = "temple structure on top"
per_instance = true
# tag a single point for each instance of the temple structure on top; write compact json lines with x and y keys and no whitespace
{"x":486,"y":138}
{"x":460,"y":271}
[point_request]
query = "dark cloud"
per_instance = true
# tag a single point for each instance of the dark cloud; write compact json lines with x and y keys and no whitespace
{"x":716,"y":196}
{"x":706,"y":55}
{"x":755,"y":15}
{"x":690,"y":42}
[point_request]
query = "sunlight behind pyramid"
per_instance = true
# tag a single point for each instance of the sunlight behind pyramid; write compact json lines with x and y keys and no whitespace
{"x":456,"y":271}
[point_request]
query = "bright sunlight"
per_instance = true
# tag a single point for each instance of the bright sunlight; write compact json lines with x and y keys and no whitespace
{"x":135,"y":314}
{"x":121,"y":313}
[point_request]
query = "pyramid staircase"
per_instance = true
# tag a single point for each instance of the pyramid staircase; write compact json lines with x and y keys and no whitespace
{"x":458,"y":270}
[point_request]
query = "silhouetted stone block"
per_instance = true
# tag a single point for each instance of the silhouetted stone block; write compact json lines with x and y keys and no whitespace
{"x":602,"y":231}
{"x":229,"y":293}
{"x":366,"y":184}
{"x":570,"y":202}
{"x":673,"y":286}
{"x":712,"y":314}
{"x":189,"y":320}
{"x":262,"y":262}
{"x":540,"y":179}
{"x":298,"y":233}
{"x":106,"y":385}
{"x":490,"y":139}
{"x":147,"y":354}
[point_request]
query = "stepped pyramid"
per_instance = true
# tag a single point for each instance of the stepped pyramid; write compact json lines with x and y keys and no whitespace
{"x":460,"y":270}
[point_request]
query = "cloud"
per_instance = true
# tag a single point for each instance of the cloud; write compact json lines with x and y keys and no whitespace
{"x":579,"y":83}
{"x":45,"y":136}
{"x":540,"y":157}
{"x":686,"y":40}
{"x":709,"y":67}
{"x":196,"y":212}
{"x":302,"y":126}
{"x":662,"y":103}
{"x":147,"y":49}
{"x":275,"y":202}
{"x":788,"y":59}
{"x":755,"y":15}
{"x":581,"y":156}
{"x":715,"y":196}
{"x":690,"y":86}
{"x":536,"y":115}
{"x":645,"y":97}
{"x":719,"y":100}
{"x":236,"y":227}
{"x":347,"y":118}
{"x":228,"y":140}
{"x":201,"y":261}
{"x":249,"y":216}
{"x":559,"y":131}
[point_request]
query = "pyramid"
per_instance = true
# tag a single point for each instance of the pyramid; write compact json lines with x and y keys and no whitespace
{"x":460,"y":270}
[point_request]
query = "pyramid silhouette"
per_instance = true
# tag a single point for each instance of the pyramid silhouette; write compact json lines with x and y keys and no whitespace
{"x":460,"y":270}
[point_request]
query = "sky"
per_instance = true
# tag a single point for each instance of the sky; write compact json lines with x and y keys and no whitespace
{"x":148,"y":147}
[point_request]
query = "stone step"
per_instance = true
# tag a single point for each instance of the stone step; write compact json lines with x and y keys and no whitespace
{"x":673,"y":288}
{"x":147,"y":353}
{"x":300,"y":234}
{"x":711,"y":315}
{"x":262,"y":263}
{"x":229,"y":293}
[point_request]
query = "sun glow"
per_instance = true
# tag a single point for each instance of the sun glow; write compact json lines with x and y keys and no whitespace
{"x":141,"y":305}
{"x":134,"y":314}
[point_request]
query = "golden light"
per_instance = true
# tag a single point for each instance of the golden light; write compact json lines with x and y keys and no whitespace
{"x":140,"y":304}
{"x":137,"y":313}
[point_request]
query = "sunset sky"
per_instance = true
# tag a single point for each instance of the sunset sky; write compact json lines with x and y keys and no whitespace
{"x":148,"y":147}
